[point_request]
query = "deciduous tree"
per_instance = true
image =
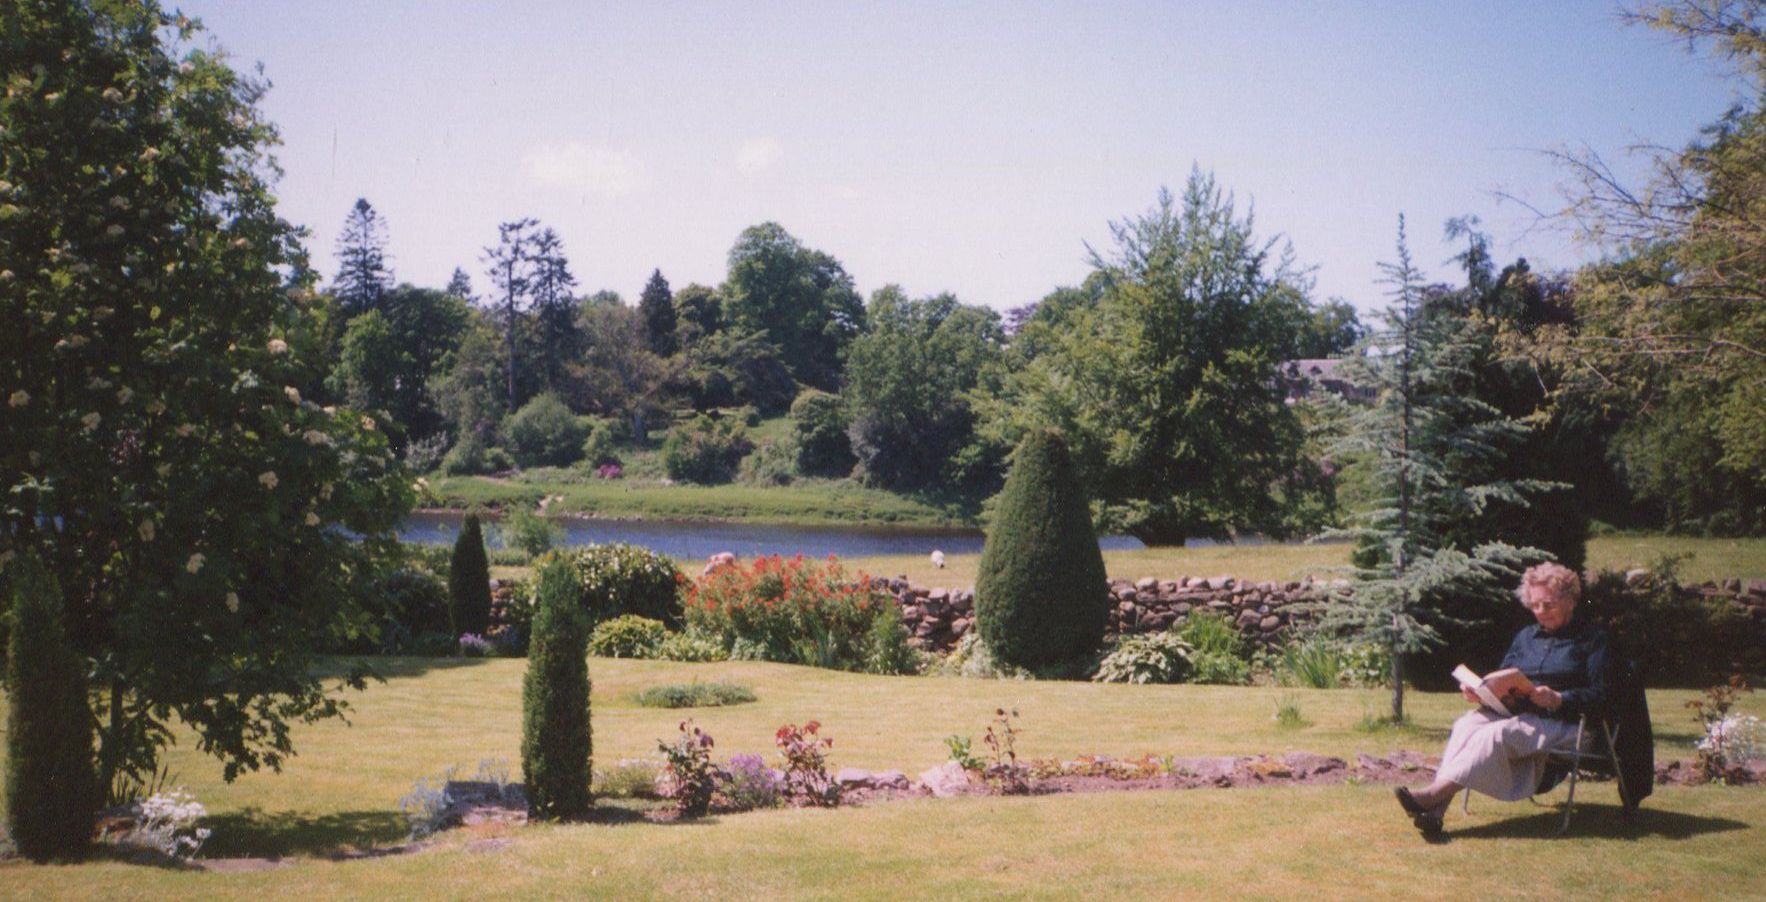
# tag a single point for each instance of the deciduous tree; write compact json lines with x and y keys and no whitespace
{"x":205,"y":521}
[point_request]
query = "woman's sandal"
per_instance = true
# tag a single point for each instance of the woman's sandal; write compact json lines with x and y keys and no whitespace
{"x":1429,"y":822}
{"x":1411,"y":806}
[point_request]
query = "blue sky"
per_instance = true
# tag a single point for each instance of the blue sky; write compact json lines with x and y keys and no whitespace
{"x":966,"y":147}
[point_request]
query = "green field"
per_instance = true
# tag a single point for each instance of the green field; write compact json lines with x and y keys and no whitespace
{"x":1340,"y":841}
{"x":1713,"y":559}
{"x":807,"y":502}
{"x":1710,"y":559}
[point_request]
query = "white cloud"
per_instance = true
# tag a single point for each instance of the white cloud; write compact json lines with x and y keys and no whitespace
{"x":593,"y":170}
{"x":757,"y":155}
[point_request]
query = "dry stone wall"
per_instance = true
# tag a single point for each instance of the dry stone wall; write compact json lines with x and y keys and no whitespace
{"x":936,"y":618}
{"x":1264,"y":612}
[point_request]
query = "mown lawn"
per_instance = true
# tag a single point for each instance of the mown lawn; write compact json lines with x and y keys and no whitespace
{"x":1343,"y":841}
{"x":1705,"y":559}
{"x":809,"y":502}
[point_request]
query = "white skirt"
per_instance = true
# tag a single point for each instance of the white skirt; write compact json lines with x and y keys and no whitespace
{"x":1499,"y":756}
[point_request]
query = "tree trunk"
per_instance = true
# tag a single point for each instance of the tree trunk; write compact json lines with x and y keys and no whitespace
{"x":110,"y":745}
{"x":1397,"y":684}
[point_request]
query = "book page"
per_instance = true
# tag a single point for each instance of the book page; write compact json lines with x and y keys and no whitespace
{"x":1472,"y":681}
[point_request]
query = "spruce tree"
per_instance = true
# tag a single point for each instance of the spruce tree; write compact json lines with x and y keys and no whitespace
{"x":1041,"y":596}
{"x":1432,"y":454}
{"x":556,"y":742}
{"x":554,"y":311}
{"x":363,"y":278}
{"x":469,"y":581}
{"x":657,"y":305}
{"x":51,"y":778}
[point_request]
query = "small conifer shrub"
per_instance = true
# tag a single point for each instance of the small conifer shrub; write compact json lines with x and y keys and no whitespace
{"x":1041,"y":597}
{"x":469,"y":581}
{"x":555,"y":734}
{"x":51,"y":781}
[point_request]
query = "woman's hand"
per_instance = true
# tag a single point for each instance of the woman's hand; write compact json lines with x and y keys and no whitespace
{"x":1470,"y":696}
{"x":1546,"y":697}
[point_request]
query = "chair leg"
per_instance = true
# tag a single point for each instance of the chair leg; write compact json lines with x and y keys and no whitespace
{"x":1569,"y":804}
{"x":1575,"y":771}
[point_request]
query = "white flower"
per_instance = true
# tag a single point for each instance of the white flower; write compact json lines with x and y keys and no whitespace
{"x":268,"y":478}
{"x":90,"y":421}
{"x":292,"y":393}
{"x":102,"y":312}
{"x":156,"y":407}
{"x":19,"y":398}
{"x":368,"y":423}
{"x":194,"y":565}
{"x":312,"y":519}
{"x":112,"y":94}
{"x":124,"y":394}
{"x":71,"y":342}
{"x":185,"y":68}
{"x":115,"y":231}
{"x":278,"y":346}
{"x":325,"y":491}
{"x":150,"y":154}
{"x":97,"y":383}
{"x":315,"y":437}
{"x":164,"y":470}
{"x":120,"y":202}
{"x":6,"y":275}
{"x":240,"y":243}
{"x":146,"y":530}
{"x":184,"y":429}
{"x":233,"y":602}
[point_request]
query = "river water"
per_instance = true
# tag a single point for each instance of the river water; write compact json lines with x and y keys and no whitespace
{"x":698,"y":539}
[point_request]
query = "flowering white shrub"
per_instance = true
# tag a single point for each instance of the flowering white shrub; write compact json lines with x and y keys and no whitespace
{"x":1735,"y":740}
{"x":166,"y":822}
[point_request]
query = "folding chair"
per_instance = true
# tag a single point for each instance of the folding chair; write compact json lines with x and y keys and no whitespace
{"x":1595,"y":752}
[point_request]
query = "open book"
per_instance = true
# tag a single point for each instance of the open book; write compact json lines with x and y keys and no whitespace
{"x":1494,"y":689}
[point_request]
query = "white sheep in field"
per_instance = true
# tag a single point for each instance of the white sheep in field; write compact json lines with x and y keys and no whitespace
{"x":938,"y":559}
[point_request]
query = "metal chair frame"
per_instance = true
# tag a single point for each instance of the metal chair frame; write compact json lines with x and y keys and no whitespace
{"x":1577,"y":759}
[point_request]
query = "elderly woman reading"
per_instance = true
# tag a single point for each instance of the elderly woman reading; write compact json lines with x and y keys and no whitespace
{"x":1572,"y":672}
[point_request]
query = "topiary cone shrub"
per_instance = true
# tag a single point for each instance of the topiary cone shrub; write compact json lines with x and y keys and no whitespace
{"x":51,"y":780}
{"x":1041,"y":596}
{"x":469,"y":581}
{"x":555,"y":734}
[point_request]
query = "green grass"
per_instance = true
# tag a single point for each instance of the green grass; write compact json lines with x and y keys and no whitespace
{"x":820,"y":502}
{"x":1711,"y":559}
{"x":343,"y":789}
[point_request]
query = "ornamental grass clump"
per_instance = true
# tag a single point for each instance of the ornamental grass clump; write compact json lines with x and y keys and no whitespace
{"x":1041,"y":596}
{"x":694,"y":695}
{"x":52,"y":792}
{"x":800,"y":611}
{"x":555,"y":738}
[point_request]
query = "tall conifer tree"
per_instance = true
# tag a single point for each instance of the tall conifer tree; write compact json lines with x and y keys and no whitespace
{"x":657,"y":305}
{"x":555,"y":309}
{"x":363,"y":277}
{"x":1432,"y":454}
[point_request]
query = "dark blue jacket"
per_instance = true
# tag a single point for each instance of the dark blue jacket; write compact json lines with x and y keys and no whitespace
{"x":1576,"y":660}
{"x":1579,"y":661}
